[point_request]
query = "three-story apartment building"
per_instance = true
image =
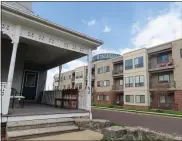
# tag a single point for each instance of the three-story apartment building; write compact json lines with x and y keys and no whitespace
{"x":144,"y":78}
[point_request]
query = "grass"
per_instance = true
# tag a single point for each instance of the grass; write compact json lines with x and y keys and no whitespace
{"x":136,"y":110}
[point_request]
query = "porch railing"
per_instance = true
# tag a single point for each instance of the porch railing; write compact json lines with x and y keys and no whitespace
{"x":49,"y":96}
{"x":162,"y":85}
{"x":82,"y":99}
{"x":117,"y":87}
{"x":114,"y":72}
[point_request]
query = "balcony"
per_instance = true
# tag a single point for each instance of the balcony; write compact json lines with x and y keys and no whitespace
{"x":162,"y":86}
{"x":117,"y":73}
{"x":161,"y":67}
{"x":117,"y":88}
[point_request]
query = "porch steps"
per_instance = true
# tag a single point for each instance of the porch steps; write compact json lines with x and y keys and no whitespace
{"x":36,"y":128}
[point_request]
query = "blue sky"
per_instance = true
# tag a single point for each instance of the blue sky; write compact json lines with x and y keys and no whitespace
{"x":123,"y":26}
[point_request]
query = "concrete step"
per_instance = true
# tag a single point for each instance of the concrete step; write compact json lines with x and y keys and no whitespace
{"x":41,"y":123}
{"x":38,"y":132}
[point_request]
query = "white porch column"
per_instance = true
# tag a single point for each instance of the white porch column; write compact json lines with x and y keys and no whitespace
{"x":6,"y":97}
{"x":89,"y":88}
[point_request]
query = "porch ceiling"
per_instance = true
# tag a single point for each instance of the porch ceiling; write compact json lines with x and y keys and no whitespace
{"x":47,"y":55}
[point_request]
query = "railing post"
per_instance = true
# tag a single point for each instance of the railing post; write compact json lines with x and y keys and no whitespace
{"x":6,"y":97}
{"x":89,"y":93}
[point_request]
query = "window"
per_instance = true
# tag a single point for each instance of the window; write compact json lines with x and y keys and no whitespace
{"x":129,"y":81}
{"x":69,"y":77}
{"x":79,"y":74}
{"x":164,"y":78}
{"x":121,"y":67}
{"x":181,"y":52}
{"x":166,"y":99}
{"x":121,"y":82}
{"x":99,"y":84}
{"x":121,"y":98}
{"x":68,"y":86}
{"x":130,"y":98}
{"x":106,"y":69}
{"x":139,"y":81}
{"x":106,"y":83}
{"x":105,"y":97}
{"x":100,"y":70}
{"x":64,"y":87}
{"x":128,"y":64}
{"x":99,"y":97}
{"x":140,"y":98}
{"x":80,"y":86}
{"x":139,"y":62}
{"x":162,"y":58}
{"x":64,"y":77}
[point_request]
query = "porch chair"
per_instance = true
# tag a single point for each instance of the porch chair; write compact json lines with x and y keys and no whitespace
{"x":15,"y":95}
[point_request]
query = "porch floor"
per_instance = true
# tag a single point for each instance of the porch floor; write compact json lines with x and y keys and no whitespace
{"x":40,"y":109}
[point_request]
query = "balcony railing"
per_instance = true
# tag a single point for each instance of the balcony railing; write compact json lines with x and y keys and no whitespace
{"x":117,"y":87}
{"x":161,"y":66}
{"x":114,"y":72}
{"x":162,"y":85}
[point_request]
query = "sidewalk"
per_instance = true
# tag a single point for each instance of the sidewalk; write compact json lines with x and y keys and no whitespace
{"x":137,"y":111}
{"x":81,"y":135}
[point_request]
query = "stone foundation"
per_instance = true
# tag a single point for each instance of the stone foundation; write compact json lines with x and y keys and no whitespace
{"x":94,"y":125}
{"x":135,"y":133}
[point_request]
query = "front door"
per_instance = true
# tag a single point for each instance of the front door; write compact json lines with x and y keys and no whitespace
{"x":30,"y":84}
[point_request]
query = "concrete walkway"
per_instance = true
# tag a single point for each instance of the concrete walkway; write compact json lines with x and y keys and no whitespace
{"x":82,"y":135}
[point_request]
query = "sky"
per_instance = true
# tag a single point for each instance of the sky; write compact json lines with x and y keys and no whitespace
{"x":123,"y":26}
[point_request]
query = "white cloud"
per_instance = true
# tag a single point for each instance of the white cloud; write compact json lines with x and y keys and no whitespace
{"x":50,"y":74}
{"x":89,"y":23}
{"x":165,"y":27}
{"x":103,"y":50}
{"x":107,"y":29}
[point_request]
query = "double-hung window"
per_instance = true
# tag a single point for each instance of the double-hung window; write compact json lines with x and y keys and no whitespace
{"x":129,"y":98}
{"x":100,"y":70}
{"x":140,"y":98}
{"x":164,"y":78}
{"x":139,"y":62}
{"x":129,"y":81}
{"x":106,"y":83}
{"x":128,"y":64}
{"x":139,"y":81}
{"x":99,"y":84}
{"x":106,"y":69}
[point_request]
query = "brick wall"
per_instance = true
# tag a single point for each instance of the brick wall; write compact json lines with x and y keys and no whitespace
{"x":178,"y":99}
{"x":136,"y":107}
{"x":112,"y":97}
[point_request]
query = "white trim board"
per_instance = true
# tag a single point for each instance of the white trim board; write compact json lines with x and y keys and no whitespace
{"x":22,"y":118}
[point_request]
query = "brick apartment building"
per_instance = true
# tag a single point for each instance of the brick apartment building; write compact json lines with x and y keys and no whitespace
{"x":144,"y":78}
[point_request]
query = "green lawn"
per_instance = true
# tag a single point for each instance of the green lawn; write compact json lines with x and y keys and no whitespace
{"x":150,"y":110}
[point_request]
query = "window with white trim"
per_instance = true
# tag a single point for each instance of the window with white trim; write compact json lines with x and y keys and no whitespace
{"x":129,"y":98}
{"x":106,"y":69}
{"x":140,"y":98}
{"x":129,"y":81}
{"x":121,"y":82}
{"x":139,"y":81}
{"x":100,"y":70}
{"x":106,"y":83}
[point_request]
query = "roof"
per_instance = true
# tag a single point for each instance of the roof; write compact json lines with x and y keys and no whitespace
{"x":49,"y":23}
